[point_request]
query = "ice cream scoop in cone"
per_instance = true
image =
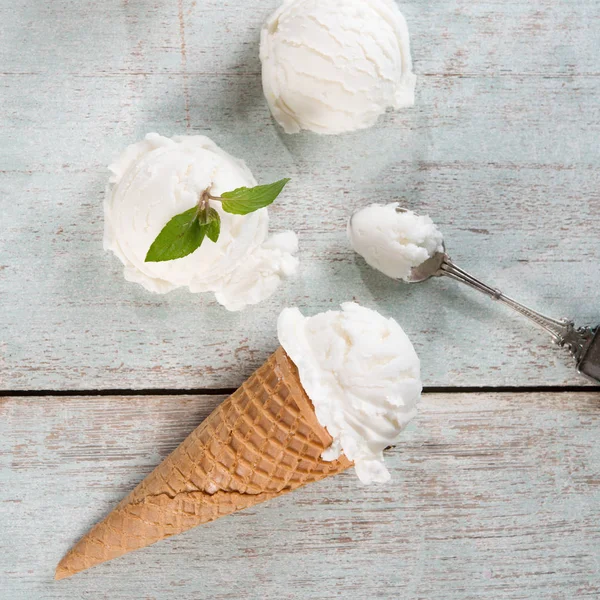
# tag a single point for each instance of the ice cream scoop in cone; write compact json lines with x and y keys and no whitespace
{"x":339,"y":391}
{"x":263,"y":441}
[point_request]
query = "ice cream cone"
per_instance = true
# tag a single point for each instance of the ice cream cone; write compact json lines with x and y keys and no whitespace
{"x":262,"y":442}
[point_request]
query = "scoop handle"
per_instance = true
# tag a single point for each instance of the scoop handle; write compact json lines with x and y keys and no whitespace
{"x":582,"y":342}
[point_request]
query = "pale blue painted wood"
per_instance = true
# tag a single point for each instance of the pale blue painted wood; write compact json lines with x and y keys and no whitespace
{"x":501,"y":148}
{"x":493,"y":496}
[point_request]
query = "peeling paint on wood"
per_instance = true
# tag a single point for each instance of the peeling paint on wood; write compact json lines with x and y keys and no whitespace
{"x":501,"y":148}
{"x":493,"y":496}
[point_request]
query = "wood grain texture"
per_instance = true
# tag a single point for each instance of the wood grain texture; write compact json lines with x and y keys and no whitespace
{"x":501,"y":148}
{"x":493,"y":496}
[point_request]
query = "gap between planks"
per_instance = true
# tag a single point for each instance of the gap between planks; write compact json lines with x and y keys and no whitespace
{"x":228,"y":391}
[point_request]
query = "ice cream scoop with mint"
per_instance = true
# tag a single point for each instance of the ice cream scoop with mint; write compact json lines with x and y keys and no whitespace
{"x":393,"y":240}
{"x":332,"y":66}
{"x":223,"y":247}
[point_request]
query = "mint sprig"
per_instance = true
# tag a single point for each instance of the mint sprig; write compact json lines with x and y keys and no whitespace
{"x":185,"y":232}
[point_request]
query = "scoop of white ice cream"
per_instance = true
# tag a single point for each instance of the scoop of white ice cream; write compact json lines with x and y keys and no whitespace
{"x":363,"y":376}
{"x":158,"y":178}
{"x":336,"y":65}
{"x":393,"y":242}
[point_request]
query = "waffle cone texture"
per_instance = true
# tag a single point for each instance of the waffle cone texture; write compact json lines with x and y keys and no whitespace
{"x":262,"y":442}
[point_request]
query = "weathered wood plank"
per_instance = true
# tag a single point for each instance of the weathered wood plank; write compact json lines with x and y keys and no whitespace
{"x":504,"y":156}
{"x":530,"y":225}
{"x":455,"y":37}
{"x":493,"y":496}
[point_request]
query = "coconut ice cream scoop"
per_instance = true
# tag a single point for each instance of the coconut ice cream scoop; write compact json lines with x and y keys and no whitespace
{"x":159,"y":178}
{"x":409,"y":247}
{"x":335,"y":66}
{"x":393,"y":240}
{"x":362,"y":375}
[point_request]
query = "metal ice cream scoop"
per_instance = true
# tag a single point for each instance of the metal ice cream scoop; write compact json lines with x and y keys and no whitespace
{"x":582,"y":342}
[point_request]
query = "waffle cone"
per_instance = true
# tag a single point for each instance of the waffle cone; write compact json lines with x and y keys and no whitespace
{"x":262,"y":442}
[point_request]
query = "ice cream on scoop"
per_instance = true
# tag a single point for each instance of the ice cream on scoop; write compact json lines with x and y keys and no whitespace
{"x":335,"y":66}
{"x":158,"y":178}
{"x":393,"y":241}
{"x":362,"y":375}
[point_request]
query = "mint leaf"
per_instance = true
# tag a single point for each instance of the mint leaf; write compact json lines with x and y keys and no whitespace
{"x":246,"y":200}
{"x":181,"y":236}
{"x":210,"y":219}
{"x":207,"y":215}
{"x":213,"y":227}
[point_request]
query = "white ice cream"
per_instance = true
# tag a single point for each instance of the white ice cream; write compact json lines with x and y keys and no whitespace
{"x":363,"y":376}
{"x":336,"y":65}
{"x":158,"y":178}
{"x":393,"y":242}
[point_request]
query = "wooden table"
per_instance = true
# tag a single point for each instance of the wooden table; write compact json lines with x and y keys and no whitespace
{"x":496,"y":490}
